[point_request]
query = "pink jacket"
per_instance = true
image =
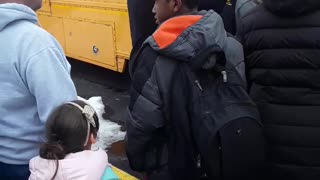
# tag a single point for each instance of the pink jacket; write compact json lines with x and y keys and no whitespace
{"x":85,"y":165}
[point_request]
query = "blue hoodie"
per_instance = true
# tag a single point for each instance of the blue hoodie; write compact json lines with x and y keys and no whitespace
{"x":34,"y":80}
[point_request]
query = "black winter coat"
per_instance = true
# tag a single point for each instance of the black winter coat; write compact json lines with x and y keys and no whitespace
{"x":282,"y":48}
{"x":158,"y":139}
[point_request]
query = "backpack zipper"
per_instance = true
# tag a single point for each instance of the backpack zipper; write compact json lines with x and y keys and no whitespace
{"x":198,"y":84}
{"x":224,"y":76}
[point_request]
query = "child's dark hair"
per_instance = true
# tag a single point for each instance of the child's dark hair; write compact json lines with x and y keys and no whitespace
{"x":191,"y":4}
{"x":66,"y":132}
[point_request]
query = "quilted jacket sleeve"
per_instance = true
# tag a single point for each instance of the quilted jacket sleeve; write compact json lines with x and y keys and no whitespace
{"x":145,"y":124}
{"x":148,"y":111}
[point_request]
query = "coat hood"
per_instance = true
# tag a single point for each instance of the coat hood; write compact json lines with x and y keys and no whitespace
{"x":292,"y":7}
{"x":183,"y":37}
{"x":11,"y":12}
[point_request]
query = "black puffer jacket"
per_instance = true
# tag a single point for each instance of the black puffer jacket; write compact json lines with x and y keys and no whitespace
{"x":282,"y":48}
{"x":158,"y":137}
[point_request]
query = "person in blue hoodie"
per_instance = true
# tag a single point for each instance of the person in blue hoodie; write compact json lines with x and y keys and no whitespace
{"x":34,"y":80}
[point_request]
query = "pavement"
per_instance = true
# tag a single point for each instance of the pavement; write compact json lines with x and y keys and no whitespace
{"x":113,"y":87}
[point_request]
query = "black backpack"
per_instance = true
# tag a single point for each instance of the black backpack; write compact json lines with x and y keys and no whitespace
{"x":226,"y":128}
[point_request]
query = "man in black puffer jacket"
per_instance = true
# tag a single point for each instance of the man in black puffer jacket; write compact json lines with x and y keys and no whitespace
{"x":282,"y":48}
{"x":158,"y":140}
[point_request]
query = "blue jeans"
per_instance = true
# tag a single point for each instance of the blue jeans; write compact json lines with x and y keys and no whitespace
{"x":14,"y":172}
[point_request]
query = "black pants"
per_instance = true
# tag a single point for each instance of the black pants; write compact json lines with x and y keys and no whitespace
{"x":14,"y":172}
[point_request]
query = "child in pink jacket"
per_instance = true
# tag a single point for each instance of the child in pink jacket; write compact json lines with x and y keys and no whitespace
{"x":71,"y":130}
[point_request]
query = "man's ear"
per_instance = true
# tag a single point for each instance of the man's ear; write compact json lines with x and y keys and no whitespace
{"x":177,"y":5}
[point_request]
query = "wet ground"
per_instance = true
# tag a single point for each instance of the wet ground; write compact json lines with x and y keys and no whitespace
{"x":113,"y":87}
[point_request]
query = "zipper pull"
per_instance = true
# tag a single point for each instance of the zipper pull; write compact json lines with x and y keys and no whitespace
{"x":198,"y":84}
{"x":224,"y":76}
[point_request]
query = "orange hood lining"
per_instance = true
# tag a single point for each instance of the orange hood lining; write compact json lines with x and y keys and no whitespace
{"x":170,"y":30}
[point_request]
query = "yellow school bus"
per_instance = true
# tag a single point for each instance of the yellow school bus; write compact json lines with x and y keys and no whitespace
{"x":93,"y":31}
